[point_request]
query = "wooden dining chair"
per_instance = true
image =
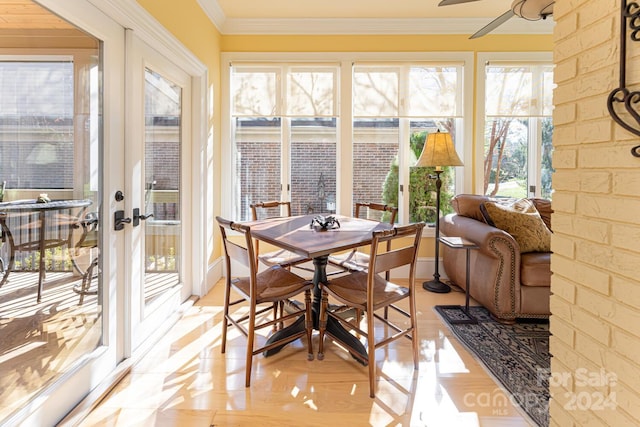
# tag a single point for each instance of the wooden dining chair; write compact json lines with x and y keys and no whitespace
{"x":370,"y":292}
{"x":282,"y":257}
{"x":261,"y":292}
{"x":356,"y":260}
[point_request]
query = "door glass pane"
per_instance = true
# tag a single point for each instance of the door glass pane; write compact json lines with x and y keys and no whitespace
{"x":50,"y":278}
{"x":375,"y":161}
{"x":376,"y":91}
{"x":506,"y":157}
{"x":163,"y":113}
{"x":258,"y":158}
{"x":545,"y":157}
{"x":422,"y":182}
{"x":518,"y":130}
{"x":313,"y":166}
{"x":311,"y":93}
{"x":400,"y":104}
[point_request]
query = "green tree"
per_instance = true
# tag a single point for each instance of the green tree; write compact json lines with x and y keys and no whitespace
{"x":422,"y":185}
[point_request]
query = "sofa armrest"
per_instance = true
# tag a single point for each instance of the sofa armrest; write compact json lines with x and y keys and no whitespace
{"x":495,"y":265}
{"x":478,"y":232}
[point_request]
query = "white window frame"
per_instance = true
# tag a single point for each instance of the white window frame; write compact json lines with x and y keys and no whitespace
{"x":344,"y":151}
{"x":535,"y":148}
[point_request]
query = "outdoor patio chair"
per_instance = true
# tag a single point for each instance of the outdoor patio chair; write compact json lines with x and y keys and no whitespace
{"x":84,"y":255}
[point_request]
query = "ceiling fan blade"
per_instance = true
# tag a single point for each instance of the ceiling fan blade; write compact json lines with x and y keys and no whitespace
{"x":450,"y":2}
{"x":493,"y":24}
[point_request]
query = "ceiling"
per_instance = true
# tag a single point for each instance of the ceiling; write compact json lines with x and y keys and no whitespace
{"x":363,"y":17}
{"x":26,"y":15}
{"x":319,"y":17}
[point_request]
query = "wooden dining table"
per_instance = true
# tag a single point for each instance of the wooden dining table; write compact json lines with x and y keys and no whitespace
{"x":297,"y":234}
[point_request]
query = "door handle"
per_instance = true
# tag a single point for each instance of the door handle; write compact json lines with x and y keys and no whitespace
{"x":119,"y":220}
{"x":137,"y":217}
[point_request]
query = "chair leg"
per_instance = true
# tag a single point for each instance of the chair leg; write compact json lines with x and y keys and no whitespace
{"x":225,"y":318}
{"x":308,"y":324}
{"x":414,"y":332}
{"x":275,"y":315}
{"x":322,"y":323}
{"x":87,"y":279}
{"x":371,"y":344}
{"x":250,"y":338}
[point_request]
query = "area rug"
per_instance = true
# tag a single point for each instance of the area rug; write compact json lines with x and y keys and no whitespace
{"x":517,"y":356}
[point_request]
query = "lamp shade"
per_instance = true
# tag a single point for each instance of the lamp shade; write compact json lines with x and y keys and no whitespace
{"x":438,"y":151}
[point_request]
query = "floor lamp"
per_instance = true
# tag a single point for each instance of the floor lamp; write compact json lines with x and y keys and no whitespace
{"x":438,"y":151}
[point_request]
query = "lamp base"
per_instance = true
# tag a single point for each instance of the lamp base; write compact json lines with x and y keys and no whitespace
{"x":436,"y":286}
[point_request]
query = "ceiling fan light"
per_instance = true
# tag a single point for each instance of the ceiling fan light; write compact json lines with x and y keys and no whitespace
{"x":532,"y":10}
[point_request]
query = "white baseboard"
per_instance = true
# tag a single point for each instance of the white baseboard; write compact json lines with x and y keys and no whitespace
{"x":215,"y":272}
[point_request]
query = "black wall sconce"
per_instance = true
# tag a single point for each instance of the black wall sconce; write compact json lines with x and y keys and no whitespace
{"x":622,"y":95}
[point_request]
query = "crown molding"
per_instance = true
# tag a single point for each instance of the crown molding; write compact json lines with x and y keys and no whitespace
{"x":214,"y":12}
{"x":317,"y":26}
{"x":381,"y":26}
{"x":134,"y":17}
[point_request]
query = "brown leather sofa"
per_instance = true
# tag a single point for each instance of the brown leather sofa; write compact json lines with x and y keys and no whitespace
{"x":508,"y":283}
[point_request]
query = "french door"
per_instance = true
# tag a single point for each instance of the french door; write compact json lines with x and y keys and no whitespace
{"x":141,"y":163}
{"x":158,"y":131}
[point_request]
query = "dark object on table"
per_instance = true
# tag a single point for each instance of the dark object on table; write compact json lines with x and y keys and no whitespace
{"x":324,"y":223}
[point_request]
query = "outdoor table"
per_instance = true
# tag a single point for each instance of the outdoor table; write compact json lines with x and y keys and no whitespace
{"x":32,"y":231}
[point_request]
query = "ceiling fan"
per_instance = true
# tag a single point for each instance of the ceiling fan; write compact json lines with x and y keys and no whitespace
{"x":531,"y":10}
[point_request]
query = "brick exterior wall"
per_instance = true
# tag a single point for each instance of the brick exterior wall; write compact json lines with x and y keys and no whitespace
{"x":595,"y":285}
{"x":311,"y":163}
{"x":371,"y":164}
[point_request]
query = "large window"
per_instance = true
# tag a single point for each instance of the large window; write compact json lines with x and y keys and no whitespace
{"x":394,"y":108}
{"x":327,"y":135}
{"x":284,"y":121}
{"x":517,"y":129}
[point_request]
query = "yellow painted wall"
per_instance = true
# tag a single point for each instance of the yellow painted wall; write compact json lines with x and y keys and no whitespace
{"x":188,"y":23}
{"x":387,"y":43}
{"x":595,"y":284}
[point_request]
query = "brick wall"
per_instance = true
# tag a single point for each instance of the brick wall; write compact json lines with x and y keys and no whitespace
{"x":596,"y":243}
{"x":312,"y":162}
{"x":371,"y":164}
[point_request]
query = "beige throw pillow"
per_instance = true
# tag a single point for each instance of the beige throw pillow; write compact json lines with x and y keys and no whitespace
{"x":522,"y":221}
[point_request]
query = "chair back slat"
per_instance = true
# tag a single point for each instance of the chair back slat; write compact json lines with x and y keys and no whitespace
{"x":234,"y":251}
{"x":406,"y":254}
{"x":379,"y":209}
{"x":394,"y":259}
{"x":237,"y":253}
{"x":270,"y":209}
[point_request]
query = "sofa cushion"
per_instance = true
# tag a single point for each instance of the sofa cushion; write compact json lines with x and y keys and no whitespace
{"x":522,"y":221}
{"x":544,"y":209}
{"x":535,"y":269}
{"x":469,"y":205}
